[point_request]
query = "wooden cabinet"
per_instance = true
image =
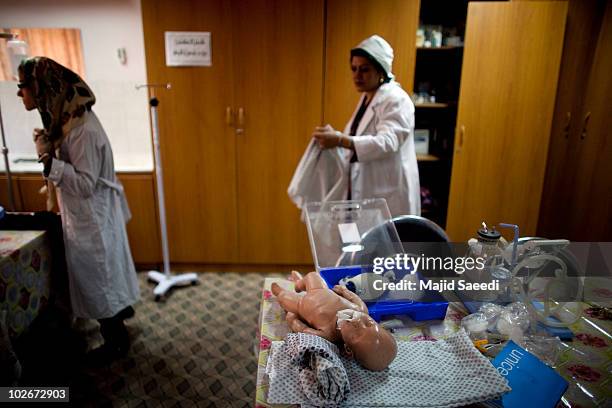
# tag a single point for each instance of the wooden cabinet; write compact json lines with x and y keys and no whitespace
{"x":4,"y":194}
{"x":577,"y":197}
{"x":348,"y":22}
{"x":278,"y":78}
{"x":590,"y":216}
{"x":198,"y":145}
{"x":143,"y":230}
{"x":29,"y":191}
{"x":232,"y":134}
{"x":436,"y":91}
{"x":508,"y":86}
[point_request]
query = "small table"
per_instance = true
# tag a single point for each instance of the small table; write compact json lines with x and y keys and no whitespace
{"x":586,"y":362}
{"x":24,"y":277}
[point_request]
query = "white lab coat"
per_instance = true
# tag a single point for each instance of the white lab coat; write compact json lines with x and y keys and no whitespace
{"x":94,"y":212}
{"x":384,"y":143}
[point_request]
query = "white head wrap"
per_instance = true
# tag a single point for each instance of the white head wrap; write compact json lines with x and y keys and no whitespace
{"x":379,"y":50}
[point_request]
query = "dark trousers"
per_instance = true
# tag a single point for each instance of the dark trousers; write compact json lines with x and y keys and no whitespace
{"x":114,"y":332}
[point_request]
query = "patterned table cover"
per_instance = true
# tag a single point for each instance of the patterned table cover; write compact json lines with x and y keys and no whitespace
{"x":24,"y":277}
{"x":586,"y":362}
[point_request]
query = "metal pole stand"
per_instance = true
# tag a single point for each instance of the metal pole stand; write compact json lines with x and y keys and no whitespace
{"x":165,"y":281}
{"x":7,"y":167}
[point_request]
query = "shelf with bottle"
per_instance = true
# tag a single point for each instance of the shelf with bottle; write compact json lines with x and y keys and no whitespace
{"x":427,"y":158}
{"x":436,"y":37}
{"x":434,"y":105}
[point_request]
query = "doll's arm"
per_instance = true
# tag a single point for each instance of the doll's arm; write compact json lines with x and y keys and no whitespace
{"x":351,"y":297}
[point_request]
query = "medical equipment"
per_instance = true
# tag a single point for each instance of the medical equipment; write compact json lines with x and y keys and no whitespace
{"x":558,"y":290}
{"x":488,"y":247}
{"x":165,"y":281}
{"x":348,"y":239}
{"x":364,"y":285}
{"x":517,"y":265}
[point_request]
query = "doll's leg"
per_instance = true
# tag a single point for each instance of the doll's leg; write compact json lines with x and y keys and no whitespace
{"x":287,"y":299}
{"x":299,"y":326}
{"x":298,"y":279}
{"x":295,"y":323}
{"x":295,"y":276}
{"x":312,"y":280}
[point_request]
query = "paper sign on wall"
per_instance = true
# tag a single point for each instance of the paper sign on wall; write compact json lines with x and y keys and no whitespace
{"x":188,"y":49}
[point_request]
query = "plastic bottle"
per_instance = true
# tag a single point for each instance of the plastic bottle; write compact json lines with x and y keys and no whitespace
{"x":476,"y":326}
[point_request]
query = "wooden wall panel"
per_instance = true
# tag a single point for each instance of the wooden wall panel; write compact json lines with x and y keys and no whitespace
{"x":348,"y":23}
{"x":508,"y":87}
{"x":60,"y":44}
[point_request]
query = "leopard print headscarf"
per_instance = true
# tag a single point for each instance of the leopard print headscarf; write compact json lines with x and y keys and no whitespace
{"x":61,"y":96}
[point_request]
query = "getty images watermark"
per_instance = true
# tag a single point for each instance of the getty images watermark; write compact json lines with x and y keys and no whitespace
{"x":413,"y":264}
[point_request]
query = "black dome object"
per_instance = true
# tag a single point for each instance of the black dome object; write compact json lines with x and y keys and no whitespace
{"x":413,"y":228}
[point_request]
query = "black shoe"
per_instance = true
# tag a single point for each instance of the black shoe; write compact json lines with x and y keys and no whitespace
{"x":105,"y":355}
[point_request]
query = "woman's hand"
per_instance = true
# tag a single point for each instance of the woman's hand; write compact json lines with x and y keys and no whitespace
{"x":43,"y":146}
{"x":328,"y":137}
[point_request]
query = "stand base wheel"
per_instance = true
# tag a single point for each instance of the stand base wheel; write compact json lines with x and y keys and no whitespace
{"x":166,"y":282}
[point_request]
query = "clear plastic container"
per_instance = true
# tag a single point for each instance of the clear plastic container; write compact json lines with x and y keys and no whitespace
{"x":346,"y":237}
{"x":351,"y":233}
{"x":489,"y":247}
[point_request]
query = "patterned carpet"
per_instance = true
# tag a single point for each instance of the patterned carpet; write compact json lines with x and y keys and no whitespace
{"x":196,"y":349}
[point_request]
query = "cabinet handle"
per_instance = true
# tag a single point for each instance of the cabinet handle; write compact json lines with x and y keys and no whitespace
{"x":566,"y":127}
{"x":584,"y":125}
{"x":461,"y":137}
{"x":229,"y":116}
{"x":240,"y":128}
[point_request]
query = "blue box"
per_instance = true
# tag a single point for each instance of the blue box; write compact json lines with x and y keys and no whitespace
{"x":533,"y":383}
{"x":434,"y":308}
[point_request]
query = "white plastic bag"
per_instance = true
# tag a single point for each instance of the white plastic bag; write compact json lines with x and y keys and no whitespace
{"x":321,"y":175}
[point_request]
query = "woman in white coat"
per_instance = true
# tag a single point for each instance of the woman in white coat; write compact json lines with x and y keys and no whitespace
{"x":79,"y":169}
{"x":378,"y":139}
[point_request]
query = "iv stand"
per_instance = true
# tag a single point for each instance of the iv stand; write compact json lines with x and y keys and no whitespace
{"x":165,"y":281}
{"x":5,"y":150}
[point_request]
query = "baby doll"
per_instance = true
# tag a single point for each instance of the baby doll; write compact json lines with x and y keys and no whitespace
{"x":338,"y":316}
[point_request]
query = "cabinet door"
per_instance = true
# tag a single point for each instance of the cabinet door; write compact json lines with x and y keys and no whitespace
{"x":348,"y":23}
{"x":197,"y":145}
{"x":583,"y":25}
{"x":29,"y":191}
{"x":143,"y":228}
{"x":590,"y":211}
{"x":506,"y":101}
{"x":278,"y":73}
